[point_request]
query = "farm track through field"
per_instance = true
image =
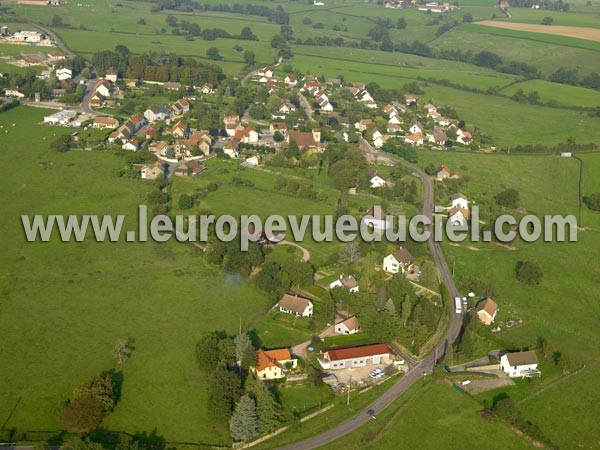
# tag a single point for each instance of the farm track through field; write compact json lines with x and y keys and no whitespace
{"x":590,"y":34}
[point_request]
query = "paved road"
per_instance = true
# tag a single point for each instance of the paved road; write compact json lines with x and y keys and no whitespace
{"x":306,"y":106}
{"x":423,"y":367}
{"x":84,"y":106}
{"x":90,"y":89}
{"x":255,"y":72}
{"x":60,"y":44}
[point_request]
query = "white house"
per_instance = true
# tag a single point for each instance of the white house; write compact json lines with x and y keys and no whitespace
{"x":442,"y":121}
{"x":64,"y":73}
{"x":378,"y":139}
{"x":458,"y":216}
{"x":207,"y":89}
{"x":265,"y":72}
{"x":520,"y":364}
{"x":414,"y":139}
{"x":326,"y":106}
{"x":112,"y":75}
{"x":247,"y":135}
{"x":273,"y":364}
{"x":252,"y":161}
{"x":13,"y":93}
{"x":463,"y":137}
{"x":131,"y":144}
{"x":298,"y":306}
{"x":395,"y":119}
{"x":377,"y":182}
{"x":152,"y":172}
{"x":290,"y":80}
{"x":348,"y":282}
{"x":376,"y":219}
{"x":343,"y":358}
{"x":399,"y":261}
{"x":416,"y":127}
{"x":157,"y":112}
{"x":443,"y":173}
{"x":430,"y":107}
{"x":103,"y":88}
{"x":348,"y":326}
{"x":459,"y":200}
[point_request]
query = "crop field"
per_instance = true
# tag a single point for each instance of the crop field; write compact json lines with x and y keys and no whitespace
{"x":562,"y":94}
{"x":542,"y":37}
{"x":582,"y":18}
{"x":591,"y":34}
{"x":563,"y":307}
{"x":161,"y":295}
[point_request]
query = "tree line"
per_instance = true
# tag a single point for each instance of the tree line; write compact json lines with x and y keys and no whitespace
{"x":235,"y":396}
{"x":158,"y":66}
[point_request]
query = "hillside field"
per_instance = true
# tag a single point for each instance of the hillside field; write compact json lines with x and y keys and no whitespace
{"x":563,"y":308}
{"x":65,"y":305}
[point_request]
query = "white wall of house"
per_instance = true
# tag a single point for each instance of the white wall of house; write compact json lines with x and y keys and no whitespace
{"x":515,"y":371}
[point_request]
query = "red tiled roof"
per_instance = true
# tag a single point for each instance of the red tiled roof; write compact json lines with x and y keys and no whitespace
{"x":271,"y":358}
{"x":358,"y":352}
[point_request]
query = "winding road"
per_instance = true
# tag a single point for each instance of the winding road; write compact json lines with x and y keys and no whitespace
{"x":423,"y":367}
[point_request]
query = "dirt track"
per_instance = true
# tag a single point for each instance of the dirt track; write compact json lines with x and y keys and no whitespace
{"x":591,"y":34}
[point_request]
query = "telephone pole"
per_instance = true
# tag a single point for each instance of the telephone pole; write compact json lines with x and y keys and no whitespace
{"x":349,"y":387}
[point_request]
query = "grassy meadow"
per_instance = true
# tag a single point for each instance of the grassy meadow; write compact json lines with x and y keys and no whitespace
{"x":531,"y":48}
{"x":65,"y":305}
{"x":452,"y":418}
{"x":565,"y":95}
{"x":512,"y":123}
{"x":563,"y":308}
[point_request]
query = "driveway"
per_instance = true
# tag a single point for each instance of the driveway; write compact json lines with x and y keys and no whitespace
{"x":305,"y":253}
{"x":487,"y":384}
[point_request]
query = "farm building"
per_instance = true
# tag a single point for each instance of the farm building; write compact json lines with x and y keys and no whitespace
{"x":344,"y":358}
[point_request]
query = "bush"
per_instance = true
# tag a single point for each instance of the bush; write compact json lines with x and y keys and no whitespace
{"x":593,"y":201}
{"x":509,"y":198}
{"x":185,"y":201}
{"x":90,"y":403}
{"x":61,"y":144}
{"x":529,"y":273}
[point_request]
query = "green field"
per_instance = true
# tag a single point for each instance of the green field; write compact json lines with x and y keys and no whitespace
{"x":392,"y":70}
{"x":563,"y":308}
{"x":65,"y":305}
{"x":512,"y":123}
{"x":587,"y":18}
{"x":562,"y":94}
{"x":531,"y":48}
{"x":451,"y":418}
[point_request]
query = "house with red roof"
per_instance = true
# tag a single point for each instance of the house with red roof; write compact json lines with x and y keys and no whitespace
{"x":364,"y":355}
{"x":273,"y":364}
